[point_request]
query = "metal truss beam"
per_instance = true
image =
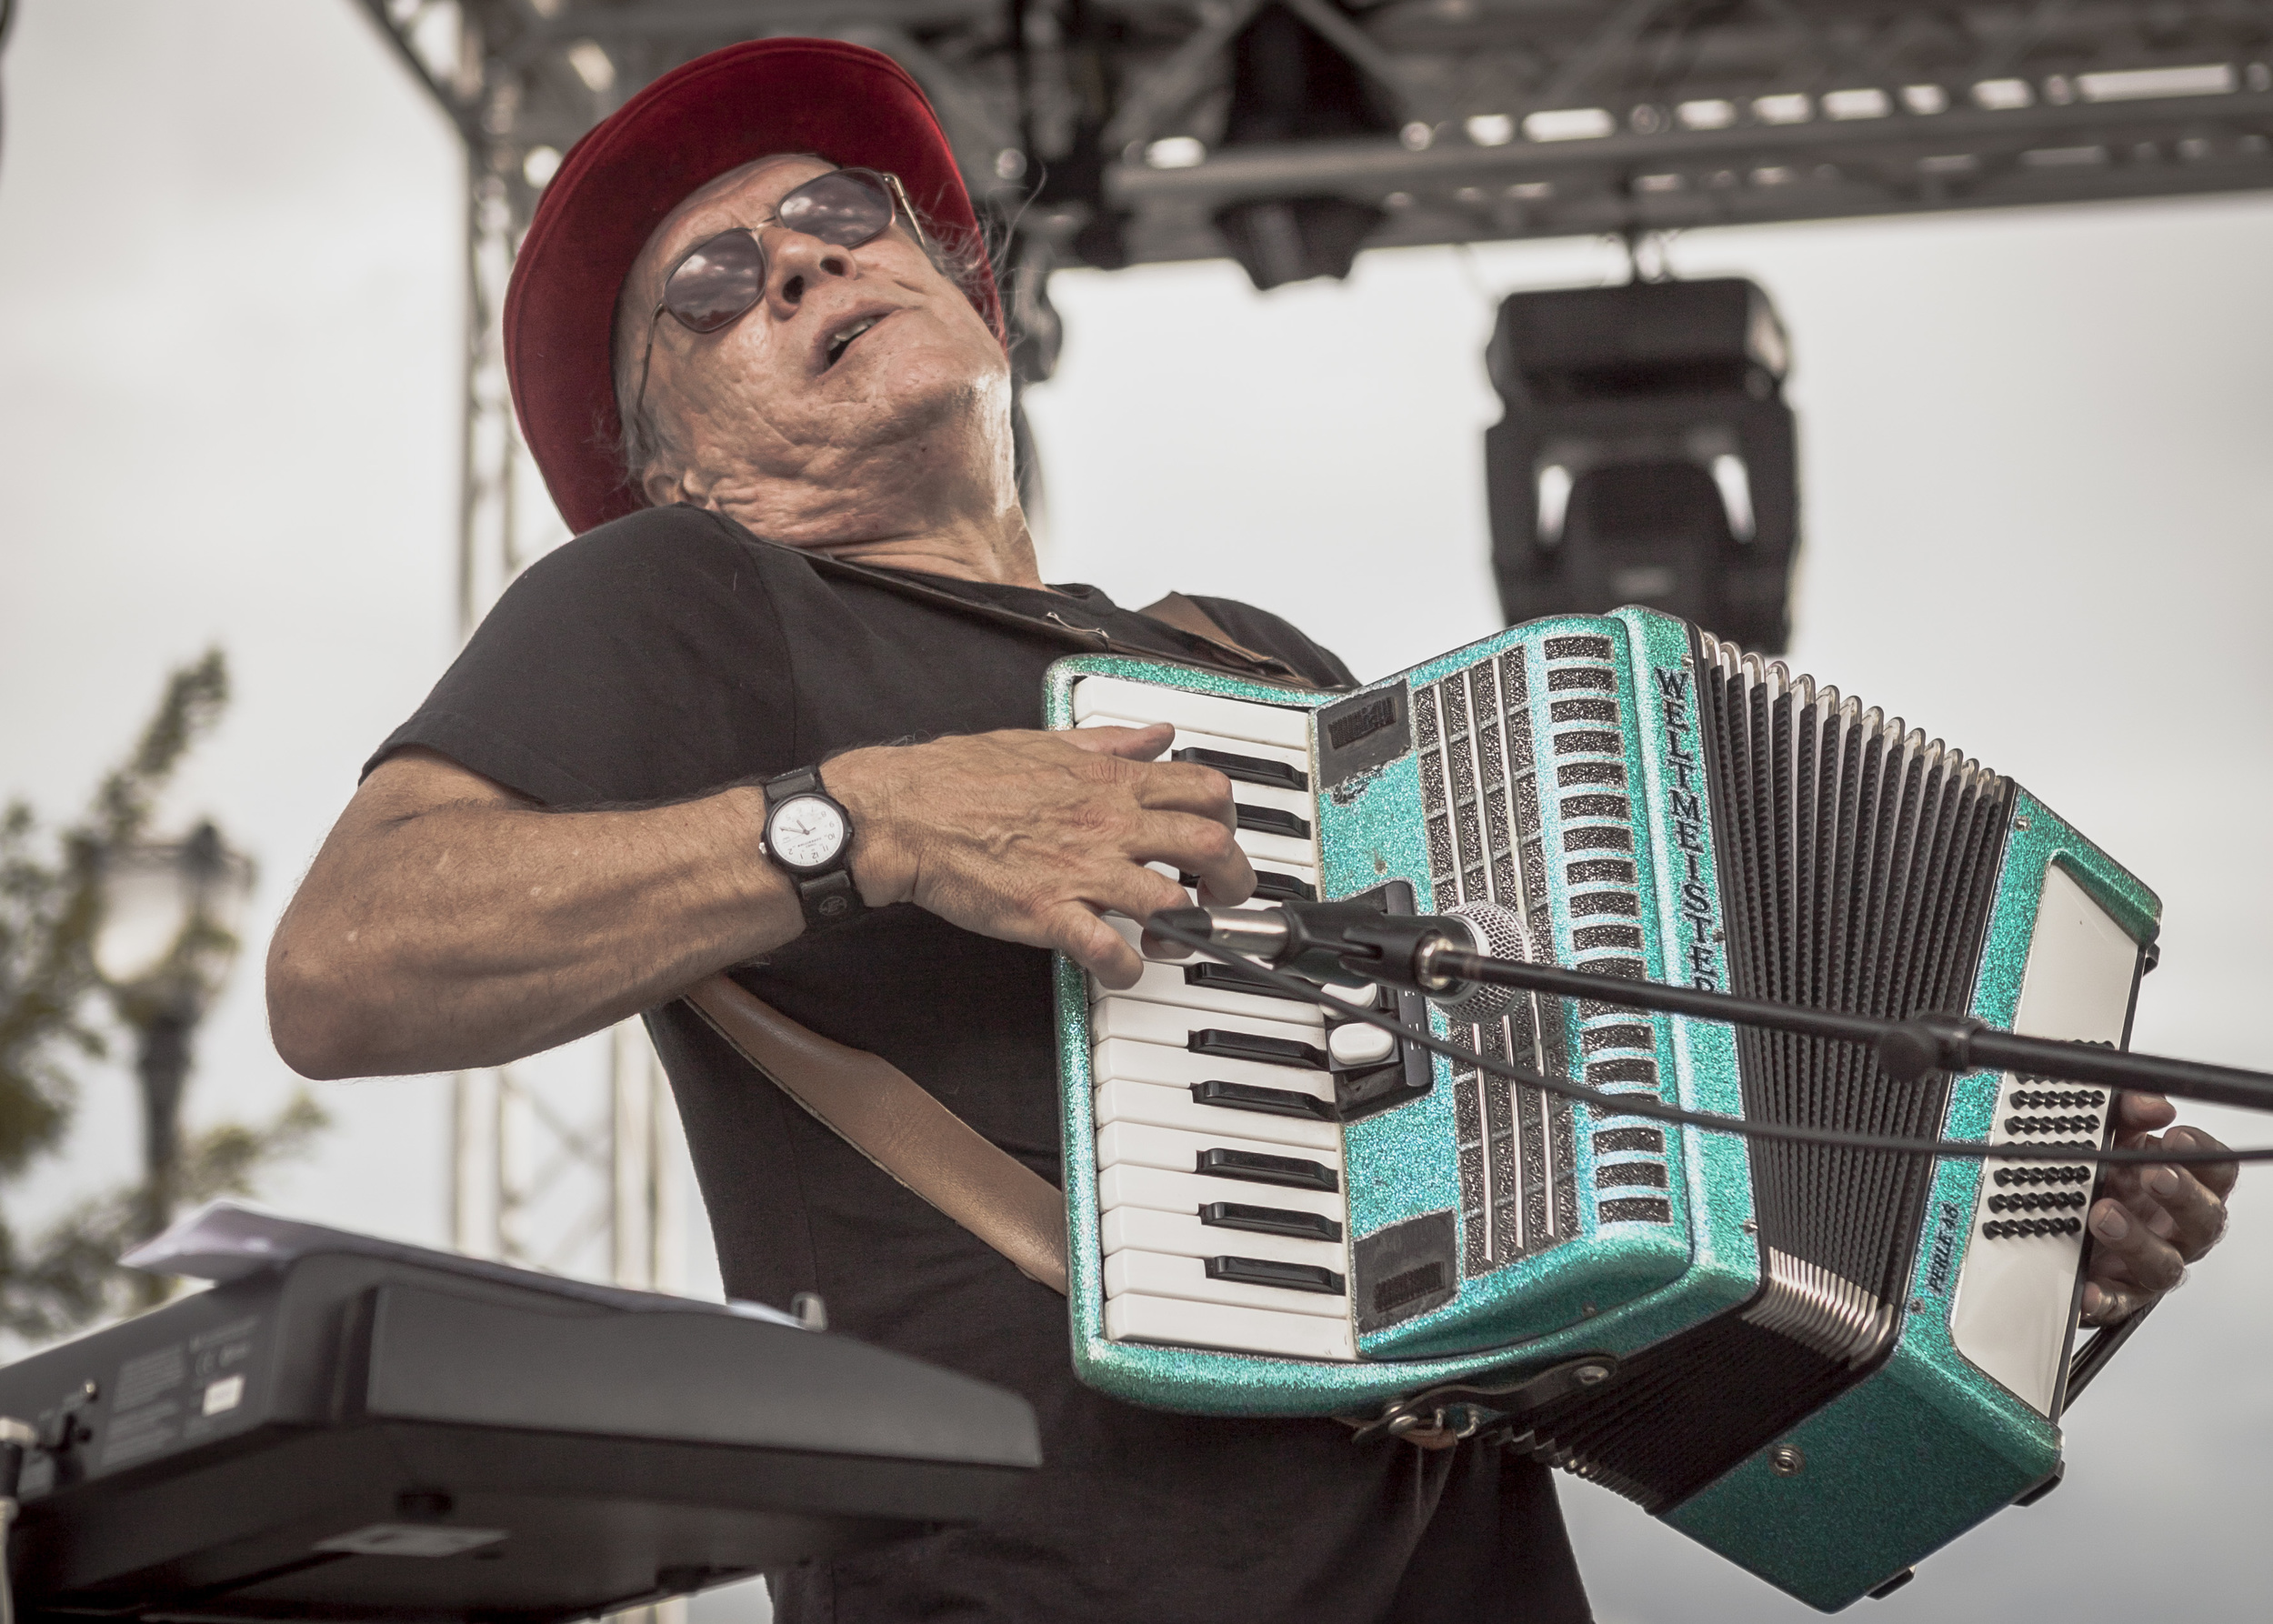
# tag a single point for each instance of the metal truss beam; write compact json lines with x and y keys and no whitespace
{"x":1658,"y":180}
{"x":1520,"y":117}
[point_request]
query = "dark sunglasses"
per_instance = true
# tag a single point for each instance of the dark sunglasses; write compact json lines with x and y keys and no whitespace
{"x":717,"y":281}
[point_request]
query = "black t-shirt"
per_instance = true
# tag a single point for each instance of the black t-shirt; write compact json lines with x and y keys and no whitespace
{"x":669,"y":653}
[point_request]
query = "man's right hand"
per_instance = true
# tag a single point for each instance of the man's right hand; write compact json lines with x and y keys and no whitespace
{"x":449,"y":923}
{"x":1029,"y":836}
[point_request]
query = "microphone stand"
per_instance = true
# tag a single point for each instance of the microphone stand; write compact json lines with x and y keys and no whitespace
{"x":1907,"y":1049}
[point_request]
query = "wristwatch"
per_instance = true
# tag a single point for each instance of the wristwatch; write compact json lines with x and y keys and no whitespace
{"x":808,"y":837}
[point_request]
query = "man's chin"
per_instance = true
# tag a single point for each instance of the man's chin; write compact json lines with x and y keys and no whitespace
{"x":908,"y":346}
{"x":913,"y":389}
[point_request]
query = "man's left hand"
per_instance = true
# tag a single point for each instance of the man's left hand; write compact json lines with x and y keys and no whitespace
{"x":2151,"y":1221}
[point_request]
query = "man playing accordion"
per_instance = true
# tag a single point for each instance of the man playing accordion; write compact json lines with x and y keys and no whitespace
{"x":759,"y":353}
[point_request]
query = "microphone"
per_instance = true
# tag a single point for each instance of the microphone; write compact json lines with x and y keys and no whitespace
{"x":1346,"y":941}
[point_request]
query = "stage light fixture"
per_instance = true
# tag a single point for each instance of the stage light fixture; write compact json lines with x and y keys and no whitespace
{"x":1645,"y":456}
{"x":1289,"y":83}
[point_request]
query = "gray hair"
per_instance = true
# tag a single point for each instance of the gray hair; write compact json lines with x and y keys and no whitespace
{"x":958,"y":254}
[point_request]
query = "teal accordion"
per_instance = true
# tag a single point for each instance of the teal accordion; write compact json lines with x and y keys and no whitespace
{"x":1822,"y":1363}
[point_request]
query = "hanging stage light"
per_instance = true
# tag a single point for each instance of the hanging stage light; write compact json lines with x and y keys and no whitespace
{"x":1646,"y":456}
{"x":1289,"y":83}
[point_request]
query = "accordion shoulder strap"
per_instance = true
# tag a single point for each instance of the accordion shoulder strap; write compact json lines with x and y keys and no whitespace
{"x":890,"y":1118}
{"x":1207,"y":645}
{"x":1188,"y":618}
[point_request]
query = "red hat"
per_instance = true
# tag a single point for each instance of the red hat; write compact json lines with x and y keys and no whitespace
{"x":850,"y":104}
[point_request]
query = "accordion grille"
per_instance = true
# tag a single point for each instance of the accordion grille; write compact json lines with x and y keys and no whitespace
{"x":1472,"y":732}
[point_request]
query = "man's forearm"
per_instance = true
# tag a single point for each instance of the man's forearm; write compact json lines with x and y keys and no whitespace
{"x":447,"y":923}
{"x":428,"y":937}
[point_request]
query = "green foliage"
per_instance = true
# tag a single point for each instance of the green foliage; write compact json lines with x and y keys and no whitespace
{"x":50,"y":907}
{"x":71,"y":1277}
{"x":45,"y":919}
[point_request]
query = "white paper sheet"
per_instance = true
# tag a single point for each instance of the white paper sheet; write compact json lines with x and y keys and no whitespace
{"x":227,"y":1240}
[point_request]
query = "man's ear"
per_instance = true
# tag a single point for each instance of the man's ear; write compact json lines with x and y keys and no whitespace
{"x":663,"y":486}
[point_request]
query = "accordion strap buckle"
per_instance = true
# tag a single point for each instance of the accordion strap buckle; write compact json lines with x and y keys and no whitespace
{"x":1441,"y":1431}
{"x":1441,"y":1417}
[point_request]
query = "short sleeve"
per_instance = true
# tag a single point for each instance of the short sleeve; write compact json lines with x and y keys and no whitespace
{"x":642,"y":661}
{"x":1266,"y":633}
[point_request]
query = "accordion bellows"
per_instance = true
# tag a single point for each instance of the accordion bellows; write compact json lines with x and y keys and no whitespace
{"x":1861,"y":863}
{"x":1821,"y":1362}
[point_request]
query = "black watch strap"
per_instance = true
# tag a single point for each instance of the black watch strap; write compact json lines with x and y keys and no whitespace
{"x":828,"y":896}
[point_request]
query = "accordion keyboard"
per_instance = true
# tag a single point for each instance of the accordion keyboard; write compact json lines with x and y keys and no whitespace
{"x":1222,"y":1212}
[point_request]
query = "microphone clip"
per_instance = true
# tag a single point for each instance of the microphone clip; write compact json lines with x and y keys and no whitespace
{"x":1346,"y":942}
{"x":1356,"y":941}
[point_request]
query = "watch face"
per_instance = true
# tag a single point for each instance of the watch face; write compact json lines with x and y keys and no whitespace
{"x":805,"y":832}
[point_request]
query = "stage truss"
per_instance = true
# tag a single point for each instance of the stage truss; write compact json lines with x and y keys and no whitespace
{"x":1507,"y":119}
{"x":1517,"y":117}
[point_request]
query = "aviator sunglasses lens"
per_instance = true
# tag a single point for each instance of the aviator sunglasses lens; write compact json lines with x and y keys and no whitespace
{"x":724,"y":277}
{"x":717,"y":282}
{"x":845,"y":207}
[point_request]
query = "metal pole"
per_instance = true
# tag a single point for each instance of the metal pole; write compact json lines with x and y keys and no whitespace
{"x":162,"y":1066}
{"x":469,"y":479}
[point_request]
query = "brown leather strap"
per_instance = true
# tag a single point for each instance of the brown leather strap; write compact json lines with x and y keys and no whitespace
{"x":1188,"y":618}
{"x":1215,"y":651}
{"x":886,"y":1115}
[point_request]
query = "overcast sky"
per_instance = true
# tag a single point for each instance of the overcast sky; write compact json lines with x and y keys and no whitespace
{"x":2038,"y":506}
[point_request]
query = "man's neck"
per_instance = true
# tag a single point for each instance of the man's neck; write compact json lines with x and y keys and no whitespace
{"x":1004,"y":559}
{"x":998,"y":549}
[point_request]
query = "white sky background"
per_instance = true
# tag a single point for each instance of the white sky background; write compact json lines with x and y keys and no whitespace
{"x":2038,"y":508}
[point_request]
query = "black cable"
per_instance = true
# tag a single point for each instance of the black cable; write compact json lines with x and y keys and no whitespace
{"x":1648,"y":1106}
